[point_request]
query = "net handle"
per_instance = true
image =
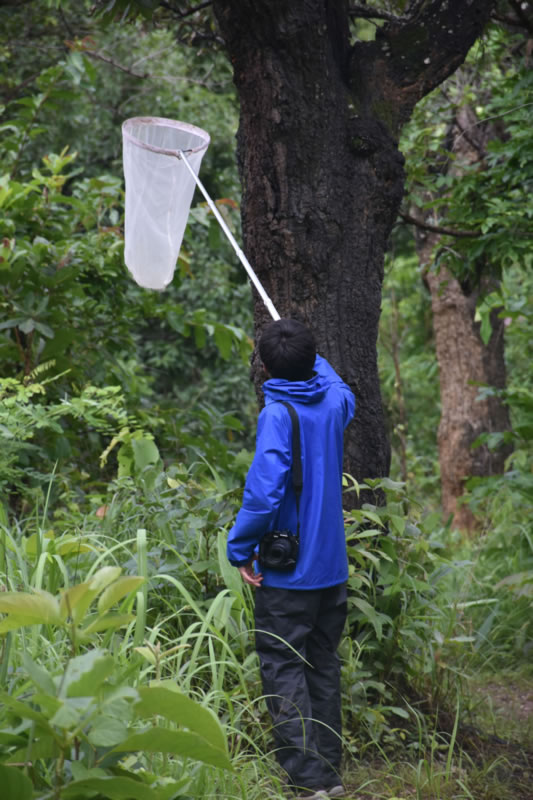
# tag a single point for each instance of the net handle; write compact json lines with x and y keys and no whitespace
{"x":242,"y":258}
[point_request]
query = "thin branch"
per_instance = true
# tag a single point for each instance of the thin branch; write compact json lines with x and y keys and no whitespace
{"x":189,"y":12}
{"x":427,"y":226}
{"x":494,"y":116}
{"x":13,"y":92}
{"x":100,"y":57}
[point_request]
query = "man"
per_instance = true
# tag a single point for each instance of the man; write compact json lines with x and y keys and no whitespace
{"x":299,"y":614}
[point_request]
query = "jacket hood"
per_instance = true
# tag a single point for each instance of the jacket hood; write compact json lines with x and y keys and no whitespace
{"x":311,"y":391}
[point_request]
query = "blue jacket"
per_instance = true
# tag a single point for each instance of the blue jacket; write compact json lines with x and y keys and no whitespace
{"x":325,"y":405}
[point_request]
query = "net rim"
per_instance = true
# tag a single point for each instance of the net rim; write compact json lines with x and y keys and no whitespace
{"x":167,"y":123}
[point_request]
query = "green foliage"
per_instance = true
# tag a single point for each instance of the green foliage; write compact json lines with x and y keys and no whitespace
{"x":68,"y":304}
{"x":489,"y":193}
{"x":35,"y":432}
{"x":86,"y":717}
{"x":126,"y":652}
{"x":409,"y":375}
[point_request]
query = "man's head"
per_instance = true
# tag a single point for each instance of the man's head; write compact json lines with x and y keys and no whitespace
{"x":288,"y":350}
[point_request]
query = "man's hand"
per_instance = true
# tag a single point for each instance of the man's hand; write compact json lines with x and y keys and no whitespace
{"x":249,"y":576}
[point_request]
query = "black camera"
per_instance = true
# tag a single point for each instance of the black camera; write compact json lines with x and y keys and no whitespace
{"x":279,"y":550}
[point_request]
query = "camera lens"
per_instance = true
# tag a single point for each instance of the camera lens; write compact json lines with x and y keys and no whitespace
{"x":277,"y":552}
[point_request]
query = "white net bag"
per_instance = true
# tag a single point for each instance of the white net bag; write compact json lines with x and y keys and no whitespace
{"x":159,"y":190}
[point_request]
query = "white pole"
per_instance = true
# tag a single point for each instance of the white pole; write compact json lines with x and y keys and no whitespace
{"x":244,"y":261}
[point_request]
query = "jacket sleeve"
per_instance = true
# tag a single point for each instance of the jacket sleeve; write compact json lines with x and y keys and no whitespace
{"x":265,"y":486}
{"x":324,"y":368}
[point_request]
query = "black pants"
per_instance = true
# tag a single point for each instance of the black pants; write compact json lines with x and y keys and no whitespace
{"x":297,"y":636}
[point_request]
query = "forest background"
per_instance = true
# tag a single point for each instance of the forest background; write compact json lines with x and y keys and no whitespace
{"x":127,"y":420}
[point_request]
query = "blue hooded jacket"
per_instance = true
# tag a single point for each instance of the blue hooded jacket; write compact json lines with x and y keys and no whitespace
{"x":325,"y":405}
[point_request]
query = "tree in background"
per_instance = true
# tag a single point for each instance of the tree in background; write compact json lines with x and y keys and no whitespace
{"x":470,"y":186}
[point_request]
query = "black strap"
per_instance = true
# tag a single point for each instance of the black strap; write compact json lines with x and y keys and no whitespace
{"x":297,"y":473}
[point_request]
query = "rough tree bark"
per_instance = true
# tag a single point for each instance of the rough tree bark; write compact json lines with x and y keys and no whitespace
{"x":321,"y":171}
{"x":465,"y":361}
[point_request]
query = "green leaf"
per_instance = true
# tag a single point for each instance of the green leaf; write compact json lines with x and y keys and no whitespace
{"x":75,"y":601}
{"x":145,"y":452}
{"x":39,"y":676}
{"x":376,"y":619}
{"x":111,"y":788}
{"x":177,"y":743}
{"x":105,"y":623}
{"x":40,"y":608}
{"x":46,"y":330}
{"x":230,"y":575}
{"x":223,"y":340}
{"x":15,"y":785}
{"x":398,"y":523}
{"x":66,"y":717}
{"x":24,"y":710}
{"x":103,"y":578}
{"x":86,"y":673}
{"x":367,"y":514}
{"x":44,"y":746}
{"x":117,"y":590}
{"x":178,"y":708}
{"x":108,"y":732}
{"x":199,"y":336}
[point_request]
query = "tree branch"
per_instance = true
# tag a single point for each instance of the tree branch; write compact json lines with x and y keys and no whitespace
{"x":189,"y":12}
{"x":121,"y":67}
{"x":413,"y":54}
{"x":427,"y":226}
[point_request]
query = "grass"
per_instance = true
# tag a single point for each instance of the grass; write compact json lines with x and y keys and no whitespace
{"x":418,"y":725}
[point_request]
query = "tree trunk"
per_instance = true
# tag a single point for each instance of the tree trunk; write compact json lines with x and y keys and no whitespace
{"x":465,"y":363}
{"x":321,"y":171}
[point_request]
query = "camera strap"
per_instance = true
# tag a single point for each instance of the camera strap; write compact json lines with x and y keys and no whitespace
{"x":297,"y":473}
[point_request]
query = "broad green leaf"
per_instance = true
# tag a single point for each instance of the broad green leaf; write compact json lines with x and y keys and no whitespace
{"x":117,"y":590}
{"x":400,"y":712}
{"x":40,"y":677}
{"x":230,"y":575}
{"x":86,"y":673}
{"x":122,"y":788}
{"x":72,"y":601}
{"x":66,"y":717}
{"x":8,"y":739}
{"x":366,"y":513}
{"x":43,"y":746}
{"x":15,"y":785}
{"x":178,"y":708}
{"x":177,"y":743}
{"x":108,"y":732}
{"x":398,"y":523}
{"x":224,"y":341}
{"x":105,"y":623}
{"x":12,"y":623}
{"x":375,"y":618}
{"x":41,"y":607}
{"x":24,"y":710}
{"x":145,"y":452}
{"x":117,"y":788}
{"x":101,"y":579}
{"x":68,"y":546}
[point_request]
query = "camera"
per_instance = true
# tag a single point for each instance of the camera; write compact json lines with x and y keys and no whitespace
{"x":279,"y":550}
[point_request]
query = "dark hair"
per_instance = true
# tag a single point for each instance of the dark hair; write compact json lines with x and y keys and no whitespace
{"x":288,"y":350}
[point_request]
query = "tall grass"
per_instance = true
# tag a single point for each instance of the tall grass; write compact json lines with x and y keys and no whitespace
{"x":417,"y":595}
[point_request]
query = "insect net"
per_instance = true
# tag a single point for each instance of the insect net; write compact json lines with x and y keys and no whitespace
{"x":159,"y":190}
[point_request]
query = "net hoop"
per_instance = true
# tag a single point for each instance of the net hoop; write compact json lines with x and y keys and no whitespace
{"x":166,"y":123}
